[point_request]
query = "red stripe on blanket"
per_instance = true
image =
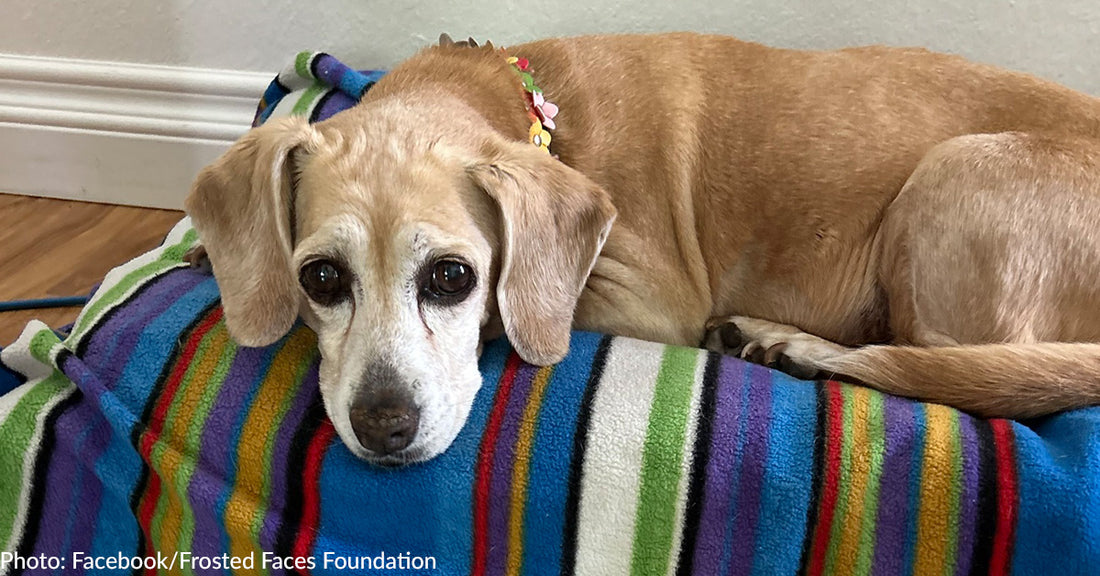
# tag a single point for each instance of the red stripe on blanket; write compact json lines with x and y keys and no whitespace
{"x":311,"y":499}
{"x":834,"y":437}
{"x":156,"y":426}
{"x":1007,"y":496}
{"x":485,"y":465}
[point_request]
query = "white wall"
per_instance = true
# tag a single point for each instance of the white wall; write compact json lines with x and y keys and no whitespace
{"x":134,"y":134}
{"x":1057,"y":39}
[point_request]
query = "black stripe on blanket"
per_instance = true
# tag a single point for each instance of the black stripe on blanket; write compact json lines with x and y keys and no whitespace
{"x":291,"y":518}
{"x":320,"y":104}
{"x":281,"y":86}
{"x":699,"y":459}
{"x":987,"y":499}
{"x":20,"y":378}
{"x":815,"y":481}
{"x":313,"y":64}
{"x":29,"y":537}
{"x":576,"y":464}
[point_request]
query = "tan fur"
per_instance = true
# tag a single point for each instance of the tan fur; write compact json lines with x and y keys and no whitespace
{"x":538,"y":287}
{"x":991,"y":255}
{"x":243,"y":233}
{"x":867,"y":196}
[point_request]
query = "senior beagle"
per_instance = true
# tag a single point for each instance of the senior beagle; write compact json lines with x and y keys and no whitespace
{"x":912,"y":221}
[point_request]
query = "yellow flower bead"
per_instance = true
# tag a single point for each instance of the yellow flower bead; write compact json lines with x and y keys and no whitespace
{"x":539,"y":137}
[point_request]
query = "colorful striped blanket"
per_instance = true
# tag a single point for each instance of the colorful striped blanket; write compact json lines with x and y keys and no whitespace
{"x":147,"y":433}
{"x":146,"y":436}
{"x":316,"y":86}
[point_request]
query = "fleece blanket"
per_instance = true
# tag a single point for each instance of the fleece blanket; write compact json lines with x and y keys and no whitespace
{"x":146,"y":441}
{"x":316,"y":85}
{"x":148,"y":437}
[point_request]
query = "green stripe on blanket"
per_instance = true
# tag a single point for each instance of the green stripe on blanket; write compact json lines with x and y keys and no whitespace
{"x":21,"y":430}
{"x":663,"y":460}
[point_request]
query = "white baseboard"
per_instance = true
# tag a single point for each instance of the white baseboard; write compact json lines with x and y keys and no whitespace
{"x":114,"y":132}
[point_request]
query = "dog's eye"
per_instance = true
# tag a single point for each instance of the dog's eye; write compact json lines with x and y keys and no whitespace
{"x":449,"y":279}
{"x":324,"y":281}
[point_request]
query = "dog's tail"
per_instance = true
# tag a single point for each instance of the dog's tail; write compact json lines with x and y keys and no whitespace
{"x":990,"y":380}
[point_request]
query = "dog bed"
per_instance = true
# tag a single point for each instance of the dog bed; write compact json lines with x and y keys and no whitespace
{"x":146,"y":435}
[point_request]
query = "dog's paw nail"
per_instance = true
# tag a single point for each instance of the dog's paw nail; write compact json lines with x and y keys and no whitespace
{"x":754,"y":353}
{"x":774,"y":353}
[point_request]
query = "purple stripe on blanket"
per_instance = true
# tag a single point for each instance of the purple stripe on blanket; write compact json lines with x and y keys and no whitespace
{"x":892,"y":532}
{"x":328,"y":69}
{"x":753,"y":465}
{"x":719,"y":472}
{"x":333,"y":102}
{"x":124,"y":327}
{"x":217,"y":454}
{"x":151,"y":301}
{"x":85,"y":523}
{"x":247,"y":397}
{"x":111,"y":345}
{"x":303,"y":398}
{"x":968,"y":497}
{"x":80,"y":435}
{"x":742,"y":423}
{"x":500,"y":487}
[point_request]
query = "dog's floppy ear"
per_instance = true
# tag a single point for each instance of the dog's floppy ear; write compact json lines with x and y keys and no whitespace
{"x":554,"y":222}
{"x":241,"y":206}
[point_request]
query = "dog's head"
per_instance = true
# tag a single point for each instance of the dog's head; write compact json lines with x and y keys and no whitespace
{"x":402,"y":246}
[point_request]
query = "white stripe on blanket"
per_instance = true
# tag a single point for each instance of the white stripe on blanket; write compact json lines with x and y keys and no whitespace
{"x":31,"y":454}
{"x":609,"y":495}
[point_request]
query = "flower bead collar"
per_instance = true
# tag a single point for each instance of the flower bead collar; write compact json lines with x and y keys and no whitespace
{"x":540,"y":110}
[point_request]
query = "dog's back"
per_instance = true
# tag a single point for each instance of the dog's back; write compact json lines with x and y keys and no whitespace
{"x":770,"y":169}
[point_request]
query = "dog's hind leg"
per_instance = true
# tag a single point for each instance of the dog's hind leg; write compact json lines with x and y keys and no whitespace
{"x":989,"y":260}
{"x":993,"y":240}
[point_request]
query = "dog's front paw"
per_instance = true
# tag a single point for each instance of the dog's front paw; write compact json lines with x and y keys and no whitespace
{"x":760,"y":342}
{"x":198,"y":259}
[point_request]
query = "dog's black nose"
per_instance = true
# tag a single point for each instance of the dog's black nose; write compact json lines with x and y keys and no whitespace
{"x":385,"y":421}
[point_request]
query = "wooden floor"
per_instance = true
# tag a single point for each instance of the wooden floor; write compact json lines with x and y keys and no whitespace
{"x":60,"y":248}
